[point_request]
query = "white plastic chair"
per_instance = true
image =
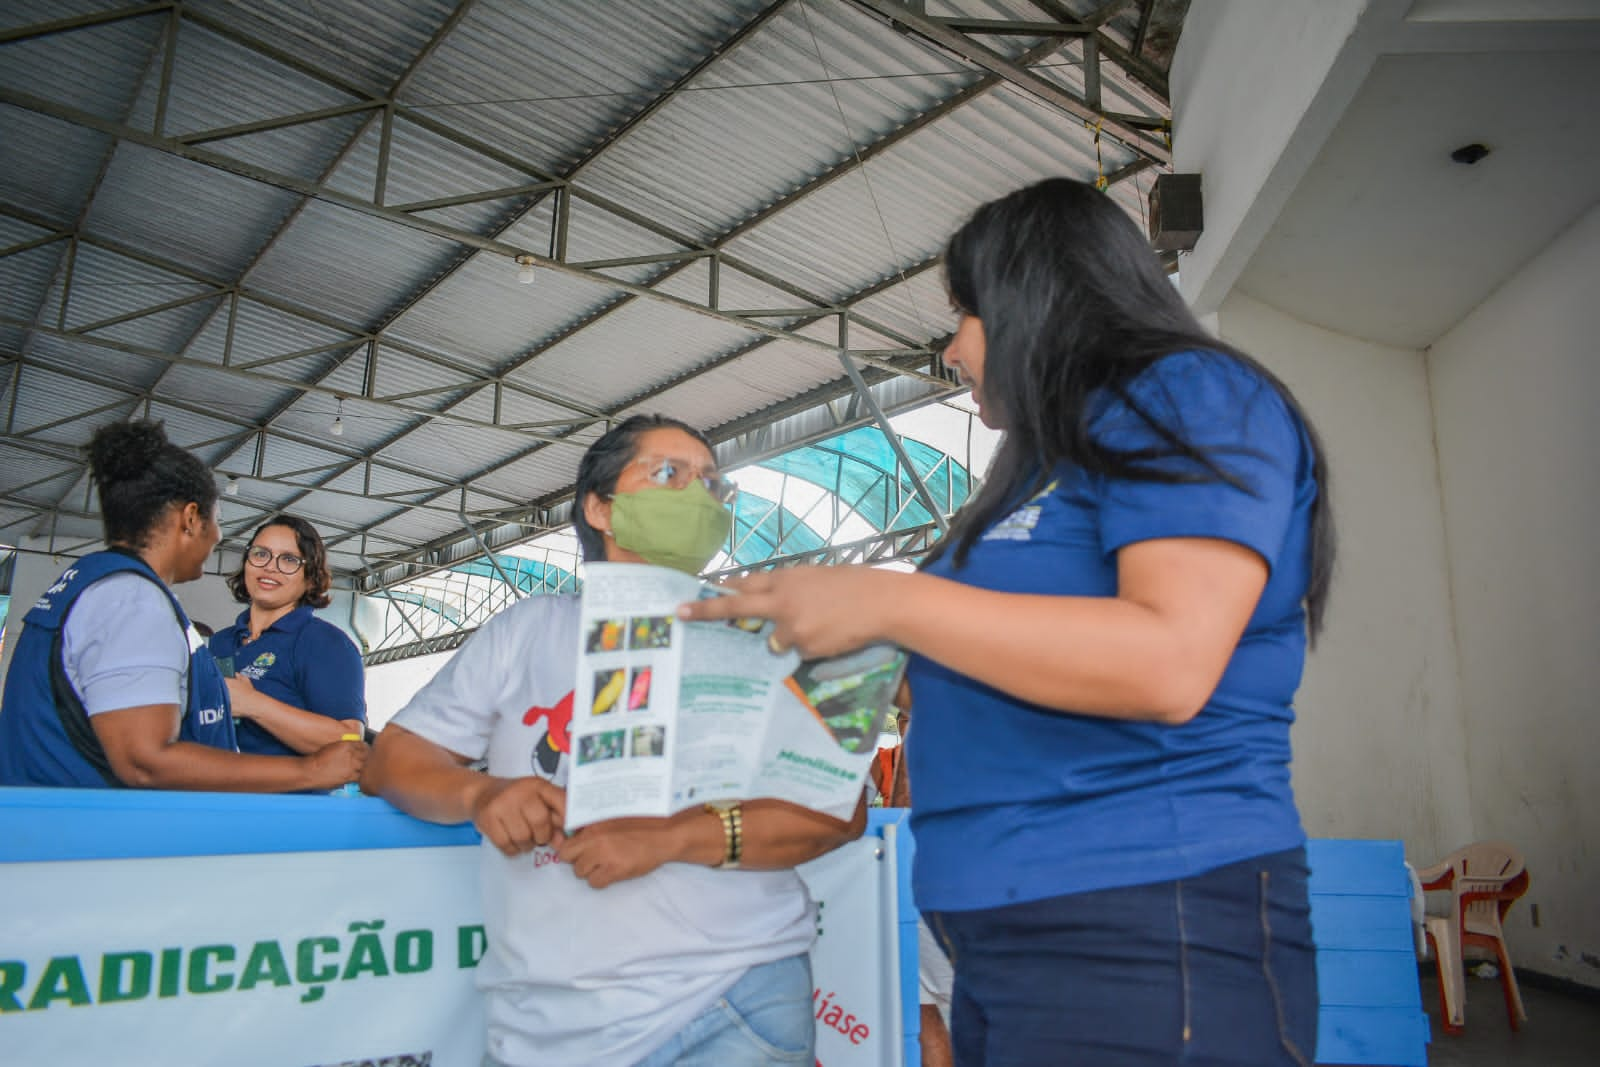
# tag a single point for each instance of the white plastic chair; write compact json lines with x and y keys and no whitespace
{"x":1483,"y":881}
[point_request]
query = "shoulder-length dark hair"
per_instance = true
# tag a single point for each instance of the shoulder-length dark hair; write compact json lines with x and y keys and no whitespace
{"x":140,"y":474}
{"x":604,"y":463}
{"x":312,"y":551}
{"x":1073,"y":301}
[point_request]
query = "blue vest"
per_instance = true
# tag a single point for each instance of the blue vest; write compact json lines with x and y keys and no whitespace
{"x":45,"y":735}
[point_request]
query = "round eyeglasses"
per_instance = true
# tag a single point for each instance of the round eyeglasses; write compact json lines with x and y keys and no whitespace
{"x":260,"y":556}
{"x":669,"y":473}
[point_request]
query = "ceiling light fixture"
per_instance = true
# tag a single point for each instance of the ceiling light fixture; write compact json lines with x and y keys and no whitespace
{"x":232,"y":488}
{"x":337,"y":429}
{"x":1469,"y":153}
{"x":525,"y":265}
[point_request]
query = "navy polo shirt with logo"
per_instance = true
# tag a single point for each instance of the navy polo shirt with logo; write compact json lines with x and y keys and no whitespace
{"x":1012,"y":802}
{"x":306,"y":662}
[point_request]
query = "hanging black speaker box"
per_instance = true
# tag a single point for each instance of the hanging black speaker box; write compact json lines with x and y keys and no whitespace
{"x":1175,"y":218}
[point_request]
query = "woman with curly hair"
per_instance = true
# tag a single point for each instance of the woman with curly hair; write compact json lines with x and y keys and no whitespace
{"x":295,"y":680}
{"x":111,"y":686}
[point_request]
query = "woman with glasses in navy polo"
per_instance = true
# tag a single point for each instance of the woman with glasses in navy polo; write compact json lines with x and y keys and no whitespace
{"x":111,"y":686}
{"x":295,"y":680}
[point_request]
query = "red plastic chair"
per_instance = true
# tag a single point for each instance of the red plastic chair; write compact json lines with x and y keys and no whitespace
{"x":1483,"y":880}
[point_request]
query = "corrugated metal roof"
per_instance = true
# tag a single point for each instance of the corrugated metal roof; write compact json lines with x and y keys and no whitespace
{"x":622,"y":355}
{"x":484,"y":316}
{"x":767,"y":117}
{"x":173,"y":209}
{"x":369,"y":44}
{"x":547,"y":80}
{"x":350,"y":180}
{"x":98,"y":365}
{"x":360,"y":265}
{"x":45,"y":397}
{"x":19,"y":469}
{"x":98,"y":69}
{"x":257,"y":333}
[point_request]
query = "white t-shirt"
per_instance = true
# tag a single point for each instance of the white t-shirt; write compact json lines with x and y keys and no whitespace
{"x":122,"y":647}
{"x":573,"y":975}
{"x":935,"y":977}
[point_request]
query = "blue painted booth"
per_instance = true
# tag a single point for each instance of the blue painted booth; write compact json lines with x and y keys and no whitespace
{"x":1366,"y":963}
{"x":1371,"y":1004}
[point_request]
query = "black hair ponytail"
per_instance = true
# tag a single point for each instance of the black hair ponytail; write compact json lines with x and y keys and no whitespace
{"x":140,"y":474}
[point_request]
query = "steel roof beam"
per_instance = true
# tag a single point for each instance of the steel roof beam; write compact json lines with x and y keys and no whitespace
{"x":390,"y":110}
{"x":279,"y":122}
{"x":850,"y":163}
{"x":661,"y":387}
{"x":248,"y":428}
{"x":553,"y":511}
{"x":176,"y":12}
{"x":425,"y":414}
{"x":441,"y":230}
{"x":1015,"y":27}
{"x":519,"y":163}
{"x":563,"y":189}
{"x":357,"y":336}
{"x":912,"y":543}
{"x":45,"y":29}
{"x":500,"y":383}
{"x":937,"y":33}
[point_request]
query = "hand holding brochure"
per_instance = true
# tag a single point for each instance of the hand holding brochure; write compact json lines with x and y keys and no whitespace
{"x":669,"y":714}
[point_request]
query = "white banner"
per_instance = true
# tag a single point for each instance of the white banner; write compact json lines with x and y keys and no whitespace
{"x":286,"y":960}
{"x":854,"y":962}
{"x":316,"y":959}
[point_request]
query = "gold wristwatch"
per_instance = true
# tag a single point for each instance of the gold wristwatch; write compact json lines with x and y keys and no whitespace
{"x":732,"y":818}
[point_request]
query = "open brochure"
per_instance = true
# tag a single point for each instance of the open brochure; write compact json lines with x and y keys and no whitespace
{"x":668,"y":714}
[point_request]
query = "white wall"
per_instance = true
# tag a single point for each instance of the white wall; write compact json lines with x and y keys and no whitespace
{"x":1515,"y":388}
{"x":391,"y":685}
{"x":1256,"y":88}
{"x":1379,"y":743}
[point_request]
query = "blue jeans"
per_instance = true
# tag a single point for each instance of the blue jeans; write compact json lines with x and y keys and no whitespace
{"x":1217,"y":970}
{"x":765,"y":1019}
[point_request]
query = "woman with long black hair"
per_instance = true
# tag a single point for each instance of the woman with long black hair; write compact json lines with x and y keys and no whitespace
{"x":1106,"y":648}
{"x":110,"y":685}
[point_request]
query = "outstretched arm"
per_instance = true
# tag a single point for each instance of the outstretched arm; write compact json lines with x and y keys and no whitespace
{"x":144,"y":751}
{"x":1155,"y":651}
{"x":433,"y":783}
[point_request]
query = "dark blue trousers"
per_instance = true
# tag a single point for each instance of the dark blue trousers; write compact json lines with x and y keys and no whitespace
{"x":1218,"y":970}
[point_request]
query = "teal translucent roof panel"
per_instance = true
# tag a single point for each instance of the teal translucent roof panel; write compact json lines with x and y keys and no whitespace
{"x":762,"y":529}
{"x":428,"y":603}
{"x":530,"y":575}
{"x":861,"y":468}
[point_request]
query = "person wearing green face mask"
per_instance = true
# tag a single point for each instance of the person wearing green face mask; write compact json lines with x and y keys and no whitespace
{"x":676,"y":519}
{"x":632,"y":941}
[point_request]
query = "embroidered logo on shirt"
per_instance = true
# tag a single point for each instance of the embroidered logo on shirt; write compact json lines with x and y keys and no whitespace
{"x":62,"y":582}
{"x":43,"y":603}
{"x":1018,"y":526}
{"x":263,"y":663}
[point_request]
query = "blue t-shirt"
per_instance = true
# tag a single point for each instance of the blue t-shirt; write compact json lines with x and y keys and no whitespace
{"x":304,"y":661}
{"x":1012,"y":802}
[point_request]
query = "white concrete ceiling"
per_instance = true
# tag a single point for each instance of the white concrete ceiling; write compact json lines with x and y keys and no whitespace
{"x":1385,"y":237}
